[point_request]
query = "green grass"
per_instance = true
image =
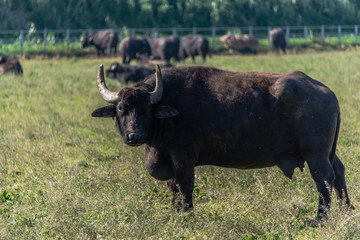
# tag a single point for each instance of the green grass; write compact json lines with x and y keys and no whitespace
{"x":65,"y":175}
{"x":60,"y":48}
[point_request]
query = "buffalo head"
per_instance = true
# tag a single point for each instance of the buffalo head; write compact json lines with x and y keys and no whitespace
{"x":86,"y":41}
{"x":115,"y":69}
{"x":133,"y":108}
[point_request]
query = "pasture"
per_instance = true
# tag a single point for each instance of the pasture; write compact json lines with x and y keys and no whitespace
{"x":65,"y":175}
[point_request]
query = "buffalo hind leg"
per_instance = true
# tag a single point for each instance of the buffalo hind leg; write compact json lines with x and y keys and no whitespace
{"x":323,"y":175}
{"x":340,"y":184}
{"x":277,"y":50}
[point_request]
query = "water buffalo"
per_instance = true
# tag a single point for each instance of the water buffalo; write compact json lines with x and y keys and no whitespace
{"x":277,"y":39}
{"x":103,"y":39}
{"x":144,"y":61}
{"x":192,"y":116}
{"x":164,"y":48}
{"x":130,"y":47}
{"x":10,"y":65}
{"x":240,"y":43}
{"x":128,"y":73}
{"x":193,"y":45}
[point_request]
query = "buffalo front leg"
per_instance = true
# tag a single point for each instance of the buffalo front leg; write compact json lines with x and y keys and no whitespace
{"x":98,"y":51}
{"x":340,"y":184}
{"x":115,"y":51}
{"x":183,"y":164}
{"x":175,"y":204}
{"x":193,"y":58}
{"x":323,"y":174}
{"x":184,"y":178}
{"x":125,"y":59}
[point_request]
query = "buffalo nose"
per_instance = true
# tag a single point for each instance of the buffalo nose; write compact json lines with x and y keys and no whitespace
{"x":134,"y":138}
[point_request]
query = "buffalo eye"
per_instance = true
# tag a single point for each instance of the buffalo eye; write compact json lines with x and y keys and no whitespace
{"x":120,"y":109}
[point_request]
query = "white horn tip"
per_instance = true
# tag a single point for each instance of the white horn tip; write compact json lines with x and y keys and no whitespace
{"x":101,"y":70}
{"x":158,"y":68}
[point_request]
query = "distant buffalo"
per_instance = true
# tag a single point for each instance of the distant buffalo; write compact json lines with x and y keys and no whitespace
{"x":10,"y":65}
{"x":144,"y":61}
{"x":165,"y":48}
{"x":126,"y":73}
{"x":102,"y":40}
{"x":193,"y":45}
{"x":130,"y":47}
{"x":240,"y":43}
{"x":278,"y":40}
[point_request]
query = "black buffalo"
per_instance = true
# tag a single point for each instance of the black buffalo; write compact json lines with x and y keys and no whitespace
{"x":278,"y":39}
{"x":193,"y":45}
{"x":165,"y":48}
{"x":131,"y":47}
{"x":193,"y":116}
{"x":10,"y":65}
{"x":126,"y":73}
{"x":103,"y":39}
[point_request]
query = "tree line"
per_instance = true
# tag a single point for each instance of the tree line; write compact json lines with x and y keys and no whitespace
{"x":97,"y":14}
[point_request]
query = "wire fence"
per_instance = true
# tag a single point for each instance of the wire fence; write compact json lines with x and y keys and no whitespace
{"x":19,"y":42}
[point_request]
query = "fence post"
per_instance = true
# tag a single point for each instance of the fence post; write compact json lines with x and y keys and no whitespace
{"x":250,"y":30}
{"x":68,"y":39}
{"x":21,"y":43}
{"x":322,"y":33}
{"x":174,"y":32}
{"x":269,"y":29}
{"x":356,"y":35}
{"x":232,"y":31}
{"x":133,"y":32}
{"x":305,"y":33}
{"x":287,"y":35}
{"x":213,"y":36}
{"x":45,"y":35}
{"x":153,"y":33}
{"x":339,"y":32}
{"x":123,"y":33}
{"x":194,"y":30}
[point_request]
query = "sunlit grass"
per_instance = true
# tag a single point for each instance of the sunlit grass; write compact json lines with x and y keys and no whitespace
{"x":65,"y":175}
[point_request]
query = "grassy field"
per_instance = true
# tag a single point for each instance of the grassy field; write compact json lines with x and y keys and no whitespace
{"x":65,"y":175}
{"x":59,"y":49}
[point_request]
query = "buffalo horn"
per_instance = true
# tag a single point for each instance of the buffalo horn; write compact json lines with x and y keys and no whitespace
{"x":155,"y":96}
{"x":107,"y":95}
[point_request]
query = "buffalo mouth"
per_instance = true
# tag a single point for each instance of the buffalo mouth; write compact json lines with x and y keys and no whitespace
{"x":134,"y":144}
{"x":110,"y":74}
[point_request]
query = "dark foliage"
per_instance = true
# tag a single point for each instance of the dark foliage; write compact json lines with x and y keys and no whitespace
{"x":54,"y":14}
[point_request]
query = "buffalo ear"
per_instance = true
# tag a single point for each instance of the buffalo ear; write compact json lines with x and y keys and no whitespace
{"x":105,"y":112}
{"x":164,"y":112}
